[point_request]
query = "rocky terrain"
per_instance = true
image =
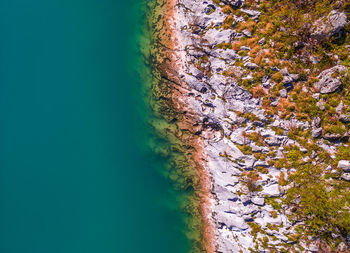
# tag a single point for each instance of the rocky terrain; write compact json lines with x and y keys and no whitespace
{"x":261,"y":89}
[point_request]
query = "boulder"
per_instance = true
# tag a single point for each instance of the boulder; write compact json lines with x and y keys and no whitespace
{"x":345,"y":118}
{"x":287,"y":80}
{"x":329,"y":79}
{"x":344,"y":165}
{"x":328,"y":26}
{"x":283,"y":93}
{"x":274,"y":140}
{"x":346,"y":177}
{"x":315,"y":133}
{"x":316,"y":122}
{"x":250,"y":65}
{"x":336,"y":137}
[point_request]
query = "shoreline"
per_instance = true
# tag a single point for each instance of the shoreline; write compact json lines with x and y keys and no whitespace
{"x":170,"y":64}
{"x":183,"y":105}
{"x":198,"y":157}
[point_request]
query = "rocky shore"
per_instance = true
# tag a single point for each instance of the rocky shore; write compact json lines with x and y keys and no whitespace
{"x":253,"y":125}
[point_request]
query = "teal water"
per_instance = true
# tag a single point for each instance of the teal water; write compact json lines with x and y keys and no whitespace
{"x":76,"y":172}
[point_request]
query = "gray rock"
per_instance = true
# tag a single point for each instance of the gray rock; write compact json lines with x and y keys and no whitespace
{"x":335,"y":137}
{"x":274,"y":141}
{"x":271,"y":191}
{"x":342,"y":247}
{"x":231,"y":221}
{"x":287,"y":80}
{"x":265,"y":79}
{"x":247,"y":33}
{"x":339,"y":108}
{"x":247,"y":162}
{"x":238,"y":93}
{"x":344,"y":165}
{"x":316,"y":122}
{"x":285,"y":72}
{"x":245,"y":48}
{"x":329,"y":80}
{"x":262,"y":41}
{"x":328,"y":26}
{"x":346,"y":177}
{"x":251,"y":13}
{"x":258,"y":201}
{"x":274,"y":103}
{"x":250,"y":65}
{"x":304,"y":150}
{"x":283,"y":93}
{"x":314,"y":60}
{"x":295,"y":77}
{"x":320,"y":104}
{"x":316,"y":96}
{"x":345,"y":118}
{"x":315,"y":133}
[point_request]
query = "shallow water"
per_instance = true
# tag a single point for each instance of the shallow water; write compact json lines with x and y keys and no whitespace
{"x":76,"y":170}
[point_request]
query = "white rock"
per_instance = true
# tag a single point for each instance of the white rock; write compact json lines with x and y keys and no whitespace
{"x":329,"y":83}
{"x":231,"y":221}
{"x":271,"y":190}
{"x":344,"y":165}
{"x":258,"y":201}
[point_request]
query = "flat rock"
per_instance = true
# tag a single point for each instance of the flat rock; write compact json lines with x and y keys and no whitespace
{"x":231,"y":221}
{"x":251,"y":13}
{"x":258,"y":201}
{"x":271,"y":191}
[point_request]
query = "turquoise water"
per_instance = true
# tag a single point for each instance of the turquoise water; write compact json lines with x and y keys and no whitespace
{"x":76,"y":173}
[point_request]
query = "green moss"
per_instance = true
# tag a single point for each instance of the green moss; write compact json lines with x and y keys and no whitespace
{"x":245,"y":149}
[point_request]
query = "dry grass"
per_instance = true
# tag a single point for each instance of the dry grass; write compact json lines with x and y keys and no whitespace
{"x":237,"y":45}
{"x":258,"y":91}
{"x":227,"y":9}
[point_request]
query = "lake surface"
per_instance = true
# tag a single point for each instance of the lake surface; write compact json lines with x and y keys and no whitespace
{"x":76,"y":172}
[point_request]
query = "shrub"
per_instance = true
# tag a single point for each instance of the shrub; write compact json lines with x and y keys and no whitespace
{"x":277,"y":77}
{"x":324,"y":210}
